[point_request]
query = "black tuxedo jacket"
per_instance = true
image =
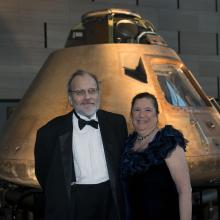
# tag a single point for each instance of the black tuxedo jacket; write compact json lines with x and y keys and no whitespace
{"x":54,"y":161}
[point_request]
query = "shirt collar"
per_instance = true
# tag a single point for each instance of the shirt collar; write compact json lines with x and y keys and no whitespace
{"x":94,"y":117}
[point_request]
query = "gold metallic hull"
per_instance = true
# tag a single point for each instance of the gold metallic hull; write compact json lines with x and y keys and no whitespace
{"x":47,"y":98}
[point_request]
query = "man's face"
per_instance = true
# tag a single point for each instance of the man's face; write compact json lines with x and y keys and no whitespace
{"x":85,"y":97}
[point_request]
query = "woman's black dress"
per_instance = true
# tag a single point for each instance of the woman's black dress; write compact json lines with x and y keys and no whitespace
{"x":150,"y":191}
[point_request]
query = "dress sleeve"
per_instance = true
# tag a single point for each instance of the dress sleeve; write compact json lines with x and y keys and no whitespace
{"x":165,"y":142}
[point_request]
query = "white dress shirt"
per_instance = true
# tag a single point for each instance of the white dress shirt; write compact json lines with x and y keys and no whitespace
{"x":88,"y":154}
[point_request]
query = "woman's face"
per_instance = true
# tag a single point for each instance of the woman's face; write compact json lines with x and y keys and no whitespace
{"x":143,"y":114}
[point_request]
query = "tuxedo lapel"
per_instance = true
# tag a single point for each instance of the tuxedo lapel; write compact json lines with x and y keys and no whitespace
{"x":105,"y":131}
{"x":107,"y":139}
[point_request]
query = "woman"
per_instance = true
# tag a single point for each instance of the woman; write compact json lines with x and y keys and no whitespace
{"x":154,"y":168}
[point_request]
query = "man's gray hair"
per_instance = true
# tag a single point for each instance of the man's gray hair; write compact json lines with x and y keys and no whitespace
{"x":80,"y":73}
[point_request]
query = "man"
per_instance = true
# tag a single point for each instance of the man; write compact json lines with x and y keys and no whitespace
{"x":77,"y":157}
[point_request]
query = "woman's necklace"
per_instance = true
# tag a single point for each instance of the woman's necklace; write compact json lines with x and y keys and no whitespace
{"x":142,"y":142}
{"x":141,"y":138}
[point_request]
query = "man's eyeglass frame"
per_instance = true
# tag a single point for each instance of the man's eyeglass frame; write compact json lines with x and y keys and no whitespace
{"x":82,"y":92}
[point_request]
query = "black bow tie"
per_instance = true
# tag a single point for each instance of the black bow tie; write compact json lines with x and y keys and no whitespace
{"x":82,"y":123}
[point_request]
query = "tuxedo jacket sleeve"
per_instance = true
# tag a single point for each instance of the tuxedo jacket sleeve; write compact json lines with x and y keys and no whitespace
{"x":114,"y":132}
{"x":44,"y":149}
{"x":50,"y":163}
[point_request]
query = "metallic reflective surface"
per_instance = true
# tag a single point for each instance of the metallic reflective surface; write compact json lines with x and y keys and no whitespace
{"x":139,"y":62}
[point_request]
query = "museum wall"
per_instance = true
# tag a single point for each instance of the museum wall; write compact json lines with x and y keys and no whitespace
{"x":30,"y":30}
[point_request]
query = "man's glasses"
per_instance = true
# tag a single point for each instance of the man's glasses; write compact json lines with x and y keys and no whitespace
{"x":82,"y":92}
